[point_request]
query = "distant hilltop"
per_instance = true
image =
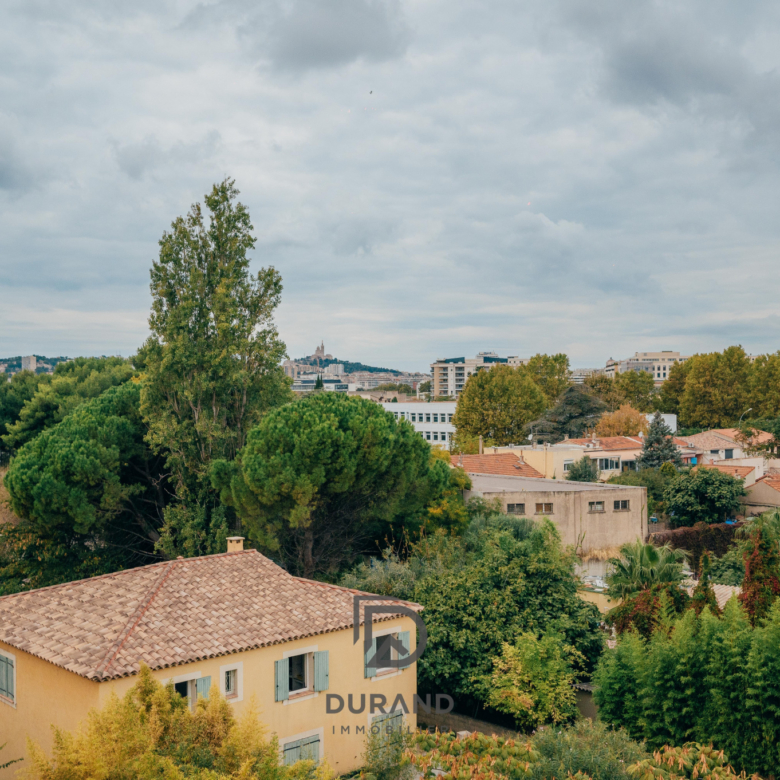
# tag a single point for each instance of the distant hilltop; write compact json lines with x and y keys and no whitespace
{"x":321,"y":359}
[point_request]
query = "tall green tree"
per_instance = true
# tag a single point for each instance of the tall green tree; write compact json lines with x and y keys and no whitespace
{"x":325,"y":478}
{"x":577,"y":411}
{"x":72,"y":384}
{"x":636,"y":388}
{"x":551,"y":374}
{"x":705,"y":495}
{"x":659,"y":446}
{"x":14,"y":393}
{"x":497,"y":404}
{"x":765,"y":386}
{"x":717,"y":389}
{"x":90,"y":495}
{"x":667,"y":399}
{"x":212,"y":362}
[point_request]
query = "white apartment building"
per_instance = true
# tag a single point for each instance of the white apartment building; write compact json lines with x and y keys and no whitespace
{"x":432,"y":421}
{"x":450,"y":374}
{"x":658,"y":364}
{"x":29,"y":363}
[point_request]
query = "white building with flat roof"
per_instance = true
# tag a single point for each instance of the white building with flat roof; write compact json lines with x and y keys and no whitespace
{"x":432,"y":421}
{"x":451,"y":374}
{"x":657,"y":364}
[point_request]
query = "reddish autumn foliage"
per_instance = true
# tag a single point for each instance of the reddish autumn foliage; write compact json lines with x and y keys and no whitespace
{"x":762,"y":567}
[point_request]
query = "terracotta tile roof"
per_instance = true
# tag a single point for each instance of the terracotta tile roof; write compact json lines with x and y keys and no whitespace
{"x":505,"y":463}
{"x":772,"y":480}
{"x":709,"y":440}
{"x":762,"y":437}
{"x":722,"y":592}
{"x":733,"y":471}
{"x":609,"y":442}
{"x":172,"y":613}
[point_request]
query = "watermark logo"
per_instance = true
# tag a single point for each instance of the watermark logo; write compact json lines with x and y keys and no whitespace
{"x":390,"y":654}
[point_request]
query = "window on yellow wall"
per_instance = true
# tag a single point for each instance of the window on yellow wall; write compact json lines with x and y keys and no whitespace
{"x":231,"y":683}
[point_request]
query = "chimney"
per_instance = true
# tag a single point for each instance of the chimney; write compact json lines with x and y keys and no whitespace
{"x":235,"y":543}
{"x":565,"y":436}
{"x":480,"y":445}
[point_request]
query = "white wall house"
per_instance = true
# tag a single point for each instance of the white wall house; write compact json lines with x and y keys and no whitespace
{"x":432,"y":421}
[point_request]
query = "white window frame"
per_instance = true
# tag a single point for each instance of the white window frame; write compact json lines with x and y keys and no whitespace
{"x":308,"y":692}
{"x":238,"y":668}
{"x":3,"y":699}
{"x":188,"y":678}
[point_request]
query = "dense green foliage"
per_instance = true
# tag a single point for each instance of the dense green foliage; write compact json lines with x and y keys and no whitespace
{"x":584,"y":470}
{"x":659,"y":446}
{"x":641,"y":566}
{"x":14,"y":393}
{"x":322,"y":479}
{"x":715,"y":538}
{"x":593,"y":748}
{"x":761,"y":584}
{"x":729,"y":568}
{"x":575,"y":413}
{"x":211,"y":364}
{"x":497,"y":404}
{"x":703,"y":594}
{"x":550,"y":373}
{"x":704,"y":678}
{"x":152,"y":733}
{"x":655,"y":480}
{"x":89,"y":492}
{"x":532,"y":681}
{"x":703,"y":496}
{"x":504,"y":576}
{"x":635,"y":388}
{"x":72,"y":384}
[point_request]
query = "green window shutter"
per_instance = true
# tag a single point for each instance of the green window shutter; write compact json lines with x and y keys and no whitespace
{"x":403,"y":638}
{"x":282,"y":669}
{"x":292,"y":751}
{"x":203,"y":686}
{"x":6,"y":687}
{"x":371,"y":656}
{"x":310,"y":749}
{"x":321,"y":671}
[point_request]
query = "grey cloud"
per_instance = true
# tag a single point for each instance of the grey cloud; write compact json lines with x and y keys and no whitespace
{"x":137,"y":159}
{"x":328,"y":33}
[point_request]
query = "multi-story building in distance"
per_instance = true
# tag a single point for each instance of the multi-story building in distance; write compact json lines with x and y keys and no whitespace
{"x":29,"y":363}
{"x":432,"y":421}
{"x":450,"y":374}
{"x":658,"y":364}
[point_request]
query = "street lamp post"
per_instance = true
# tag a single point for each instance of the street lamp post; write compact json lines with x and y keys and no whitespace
{"x":742,"y":415}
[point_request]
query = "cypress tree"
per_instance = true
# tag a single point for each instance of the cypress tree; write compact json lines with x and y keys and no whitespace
{"x":763,"y":697}
{"x":762,"y":567}
{"x":725,"y":722}
{"x":659,"y":447}
{"x":703,"y":594}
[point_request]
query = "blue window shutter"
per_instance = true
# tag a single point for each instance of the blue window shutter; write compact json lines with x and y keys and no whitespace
{"x":283,"y":680}
{"x":321,"y":671}
{"x":403,"y":638}
{"x":6,"y":684}
{"x":310,"y":749}
{"x":292,"y":751}
{"x":203,"y":686}
{"x":371,"y":656}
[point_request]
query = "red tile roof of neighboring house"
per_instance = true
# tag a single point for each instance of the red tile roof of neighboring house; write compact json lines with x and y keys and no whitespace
{"x":772,"y":480}
{"x":723,"y":593}
{"x":733,"y":471}
{"x":762,"y":437}
{"x":173,"y":613}
{"x":609,"y":442}
{"x":504,"y":463}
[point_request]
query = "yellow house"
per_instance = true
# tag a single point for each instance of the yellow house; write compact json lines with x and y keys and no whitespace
{"x":235,"y":620}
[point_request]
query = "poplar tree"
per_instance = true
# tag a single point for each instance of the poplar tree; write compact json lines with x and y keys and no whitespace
{"x":212,"y":362}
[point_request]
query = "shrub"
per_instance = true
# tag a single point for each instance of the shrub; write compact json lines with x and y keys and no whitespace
{"x":716,"y":538}
{"x":594,"y":748}
{"x":532,"y":681}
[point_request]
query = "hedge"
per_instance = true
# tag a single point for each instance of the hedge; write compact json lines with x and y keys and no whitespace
{"x":716,"y":538}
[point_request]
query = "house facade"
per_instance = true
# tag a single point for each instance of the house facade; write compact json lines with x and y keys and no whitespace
{"x":589,"y":515}
{"x":432,"y":421}
{"x":234,"y":621}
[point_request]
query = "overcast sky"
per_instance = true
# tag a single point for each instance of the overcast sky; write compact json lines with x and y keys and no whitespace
{"x":431,"y":177}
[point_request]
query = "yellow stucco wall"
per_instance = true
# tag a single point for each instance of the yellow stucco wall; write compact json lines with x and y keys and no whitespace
{"x":341,"y":744}
{"x":46,"y":695}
